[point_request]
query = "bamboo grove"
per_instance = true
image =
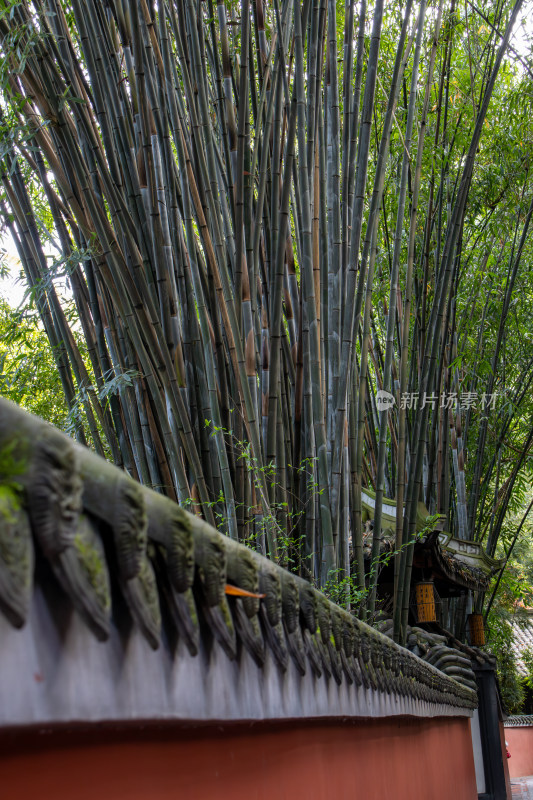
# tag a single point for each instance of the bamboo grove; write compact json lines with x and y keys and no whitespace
{"x":269,"y":213}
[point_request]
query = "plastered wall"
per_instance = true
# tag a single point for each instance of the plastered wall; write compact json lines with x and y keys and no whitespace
{"x":520,"y":744}
{"x":411,"y":758}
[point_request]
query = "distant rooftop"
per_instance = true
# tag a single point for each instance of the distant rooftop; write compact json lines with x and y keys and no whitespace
{"x":523,"y":640}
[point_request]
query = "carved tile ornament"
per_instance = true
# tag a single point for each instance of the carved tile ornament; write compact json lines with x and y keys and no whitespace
{"x":444,"y":652}
{"x":102,"y":533}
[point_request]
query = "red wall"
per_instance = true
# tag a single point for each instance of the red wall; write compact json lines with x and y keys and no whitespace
{"x":415,"y":759}
{"x":520,"y":745}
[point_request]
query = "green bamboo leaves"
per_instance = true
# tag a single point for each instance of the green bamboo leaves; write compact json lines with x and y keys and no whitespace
{"x":268,"y":240}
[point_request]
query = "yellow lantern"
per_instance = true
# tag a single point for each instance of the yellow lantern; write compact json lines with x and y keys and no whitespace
{"x":425,"y":601}
{"x":477,"y":629}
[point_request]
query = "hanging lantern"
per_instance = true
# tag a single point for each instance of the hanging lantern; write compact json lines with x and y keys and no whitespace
{"x":477,"y":629}
{"x":425,"y":601}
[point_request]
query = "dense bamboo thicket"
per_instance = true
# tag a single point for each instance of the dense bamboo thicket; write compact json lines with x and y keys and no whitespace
{"x":270,"y":214}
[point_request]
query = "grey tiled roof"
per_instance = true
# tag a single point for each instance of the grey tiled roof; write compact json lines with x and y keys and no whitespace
{"x":523,"y":640}
{"x":115,"y":546}
{"x":464,"y":575}
{"x":519,"y":721}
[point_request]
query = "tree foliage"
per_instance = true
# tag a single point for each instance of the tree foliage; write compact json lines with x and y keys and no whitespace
{"x":28,"y":375}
